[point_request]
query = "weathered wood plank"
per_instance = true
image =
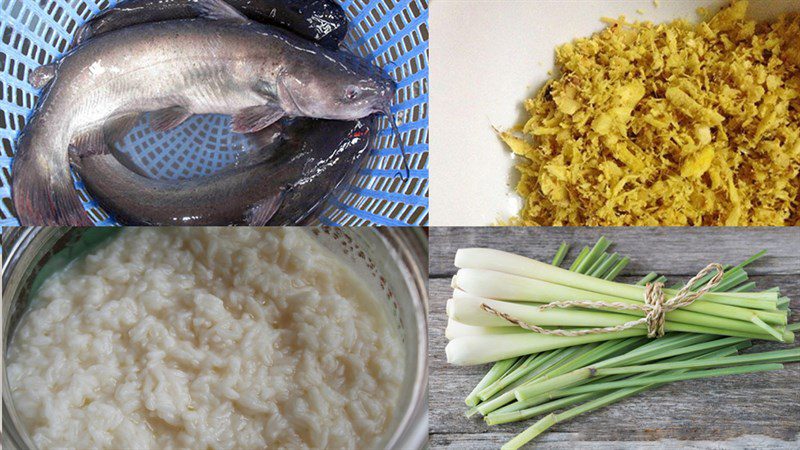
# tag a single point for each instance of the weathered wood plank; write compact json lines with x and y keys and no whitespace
{"x":572,"y":441}
{"x":748,"y":411}
{"x":668,"y":250}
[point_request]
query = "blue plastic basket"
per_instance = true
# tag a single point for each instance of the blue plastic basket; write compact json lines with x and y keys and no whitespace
{"x":393,"y":33}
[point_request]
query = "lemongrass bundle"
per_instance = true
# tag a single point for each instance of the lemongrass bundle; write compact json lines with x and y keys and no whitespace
{"x":594,"y":373}
{"x":517,"y":287}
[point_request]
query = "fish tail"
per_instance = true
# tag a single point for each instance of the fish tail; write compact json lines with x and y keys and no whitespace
{"x":43,"y":197}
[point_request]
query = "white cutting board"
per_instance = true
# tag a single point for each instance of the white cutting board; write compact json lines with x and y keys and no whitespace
{"x":486,"y":57}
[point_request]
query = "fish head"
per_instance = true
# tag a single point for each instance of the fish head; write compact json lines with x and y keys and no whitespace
{"x":335,"y":86}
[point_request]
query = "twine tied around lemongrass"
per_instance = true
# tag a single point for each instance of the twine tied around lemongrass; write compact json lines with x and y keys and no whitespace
{"x":654,"y":307}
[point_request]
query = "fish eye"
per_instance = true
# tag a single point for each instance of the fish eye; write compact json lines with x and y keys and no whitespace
{"x":352,"y":92}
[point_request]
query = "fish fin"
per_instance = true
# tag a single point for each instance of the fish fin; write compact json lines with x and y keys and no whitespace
{"x":116,"y":129}
{"x":263,"y":145}
{"x":259,"y":214}
{"x":89,"y":143}
{"x":74,"y":156}
{"x":269,"y":137}
{"x":168,"y":118}
{"x":255,"y":118}
{"x":83,"y":34}
{"x":42,"y":75}
{"x":219,"y":10}
{"x":267,"y":90}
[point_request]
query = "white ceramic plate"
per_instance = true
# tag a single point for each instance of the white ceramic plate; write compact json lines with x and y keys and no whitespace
{"x":487,"y":56}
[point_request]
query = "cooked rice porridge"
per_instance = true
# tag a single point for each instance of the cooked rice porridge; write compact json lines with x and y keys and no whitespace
{"x":206,"y":338}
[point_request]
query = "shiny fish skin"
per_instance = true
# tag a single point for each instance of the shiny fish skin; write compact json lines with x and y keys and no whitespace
{"x":202,"y":66}
{"x":316,"y":157}
{"x":323,"y":21}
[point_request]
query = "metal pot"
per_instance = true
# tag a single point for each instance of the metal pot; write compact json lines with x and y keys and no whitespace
{"x":393,"y":260}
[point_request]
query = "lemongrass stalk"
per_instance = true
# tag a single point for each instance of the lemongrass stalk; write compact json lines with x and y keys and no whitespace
{"x":560,"y":254}
{"x":543,"y":424}
{"x":533,"y":362}
{"x":774,"y":333}
{"x":671,"y":345}
{"x":533,"y":407}
{"x":702,"y":347}
{"x":566,"y":363}
{"x":597,"y":353}
{"x":621,"y":264}
{"x":579,"y":259}
{"x":529,"y":365}
{"x":752,"y":259}
{"x":597,"y":263}
{"x":507,"y":395}
{"x":605,"y":268}
{"x":538,"y":408}
{"x":716,"y":352}
{"x":496,"y":260}
{"x":690,"y":375}
{"x":732,"y":278}
{"x":456,"y":329}
{"x":746,"y":287}
{"x":522,"y":410}
{"x":552,"y":419}
{"x":476,"y":283}
{"x":599,"y":247}
{"x":590,"y":354}
{"x":467,"y":309}
{"x":678,"y":346}
{"x":780,"y":334}
{"x":499,"y":285}
{"x":792,"y":327}
{"x":647,"y":278}
{"x":743,"y":264}
{"x":775,"y":356}
{"x":541,"y":408}
{"x":736,"y":278}
{"x":493,"y":374}
{"x":703,"y":280}
{"x":506,"y":286}
{"x":602,"y":352}
{"x":472,"y":350}
{"x":529,"y":391}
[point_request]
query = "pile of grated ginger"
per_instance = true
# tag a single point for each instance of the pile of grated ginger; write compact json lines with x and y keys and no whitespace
{"x":670,"y":124}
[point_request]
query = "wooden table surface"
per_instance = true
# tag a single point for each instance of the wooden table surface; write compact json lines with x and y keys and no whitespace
{"x":760,"y":410}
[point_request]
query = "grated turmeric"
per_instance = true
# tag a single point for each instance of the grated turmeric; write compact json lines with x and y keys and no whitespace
{"x":670,"y":124}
